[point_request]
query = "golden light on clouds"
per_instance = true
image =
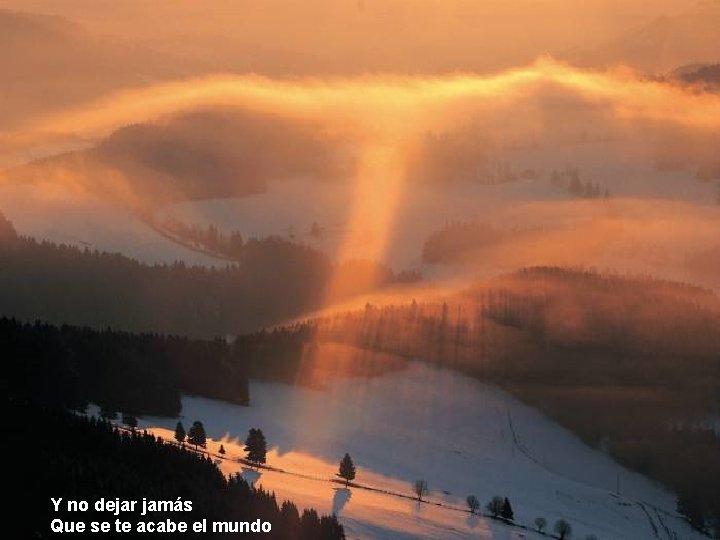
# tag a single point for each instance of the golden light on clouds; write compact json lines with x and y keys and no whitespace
{"x":386,"y":115}
{"x":378,"y":102}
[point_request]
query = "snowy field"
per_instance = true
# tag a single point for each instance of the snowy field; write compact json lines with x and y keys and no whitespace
{"x":662,"y":215}
{"x":461,"y":436}
{"x":63,"y":216}
{"x":653,"y":220}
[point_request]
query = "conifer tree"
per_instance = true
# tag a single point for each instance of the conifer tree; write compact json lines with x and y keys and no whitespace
{"x":196,"y":434}
{"x":180,"y":433}
{"x":256,"y":446}
{"x":507,"y":512}
{"x":347,"y":469}
{"x":495,"y":506}
{"x":130,"y":421}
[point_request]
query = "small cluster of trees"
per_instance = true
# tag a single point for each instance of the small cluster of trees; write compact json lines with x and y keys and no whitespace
{"x":499,"y":507}
{"x":255,"y":448}
{"x":562,"y":528}
{"x":255,"y":443}
{"x":502,"y":173}
{"x":569,"y":178}
{"x":195,"y":436}
{"x":92,"y":458}
{"x":256,"y":452}
{"x":210,"y":238}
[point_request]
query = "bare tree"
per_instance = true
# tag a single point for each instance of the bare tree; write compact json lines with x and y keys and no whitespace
{"x":563,"y":529}
{"x":540,"y":524}
{"x":473,"y":503}
{"x":420,"y":488}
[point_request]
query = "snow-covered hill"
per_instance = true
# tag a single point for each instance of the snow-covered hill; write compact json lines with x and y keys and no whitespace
{"x":462,"y":436}
{"x":662,"y":214}
{"x":57,"y":214}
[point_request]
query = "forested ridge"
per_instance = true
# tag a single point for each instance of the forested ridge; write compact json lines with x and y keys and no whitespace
{"x":271,"y":281}
{"x":629,"y":363}
{"x":67,"y":285}
{"x":132,"y":373}
{"x":143,"y":373}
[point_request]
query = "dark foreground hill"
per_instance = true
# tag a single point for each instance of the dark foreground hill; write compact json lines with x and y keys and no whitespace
{"x":84,"y":459}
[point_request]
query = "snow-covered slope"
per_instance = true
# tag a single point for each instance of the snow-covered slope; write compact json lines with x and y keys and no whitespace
{"x":462,"y":436}
{"x":58,"y":214}
{"x":651,"y":221}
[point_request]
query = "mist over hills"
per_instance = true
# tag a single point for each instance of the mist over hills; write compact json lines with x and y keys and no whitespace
{"x":630,"y":363}
{"x":211,"y":154}
{"x":548,"y":171}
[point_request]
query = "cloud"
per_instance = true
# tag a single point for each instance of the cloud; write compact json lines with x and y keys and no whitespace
{"x":386,"y":119}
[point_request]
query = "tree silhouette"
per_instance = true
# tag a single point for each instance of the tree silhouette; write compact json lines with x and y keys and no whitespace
{"x":540,"y":524}
{"x":347,"y":469}
{"x":473,"y":503}
{"x":107,"y":412}
{"x":180,"y":434}
{"x":196,"y":434}
{"x":222,"y":450}
{"x":256,"y":446}
{"x":130,"y":421}
{"x":495,"y":506}
{"x":506,"y":512}
{"x":563,"y":529}
{"x":89,"y":456}
{"x":420,"y":488}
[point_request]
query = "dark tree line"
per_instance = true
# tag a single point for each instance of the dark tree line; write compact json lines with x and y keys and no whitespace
{"x":569,"y":178}
{"x":67,"y":285}
{"x":272,"y":280}
{"x":85,"y":459}
{"x":143,"y":373}
{"x":132,"y":373}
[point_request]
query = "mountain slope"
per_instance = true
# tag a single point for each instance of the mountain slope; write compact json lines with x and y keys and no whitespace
{"x":667,"y":42}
